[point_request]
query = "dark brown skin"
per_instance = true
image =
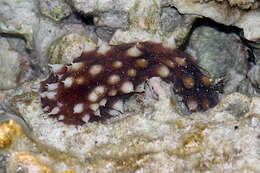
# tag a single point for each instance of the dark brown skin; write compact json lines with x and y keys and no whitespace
{"x":121,"y":68}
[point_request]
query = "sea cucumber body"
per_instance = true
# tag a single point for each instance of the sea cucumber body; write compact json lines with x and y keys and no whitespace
{"x":97,"y":81}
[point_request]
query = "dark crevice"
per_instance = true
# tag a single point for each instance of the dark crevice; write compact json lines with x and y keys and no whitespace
{"x":79,"y":18}
{"x":251,"y":56}
{"x":220,"y":27}
{"x":12,"y":35}
{"x":86,"y":19}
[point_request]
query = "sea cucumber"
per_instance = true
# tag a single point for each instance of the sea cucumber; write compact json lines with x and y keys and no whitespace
{"x":100,"y":79}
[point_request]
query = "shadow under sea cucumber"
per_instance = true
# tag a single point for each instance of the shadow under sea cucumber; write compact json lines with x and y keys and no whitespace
{"x":97,"y":81}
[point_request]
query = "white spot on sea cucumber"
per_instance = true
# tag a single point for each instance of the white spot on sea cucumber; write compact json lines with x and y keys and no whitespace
{"x":163,"y":71}
{"x":80,"y":80}
{"x":54,"y":111}
{"x":188,"y":82}
{"x":86,"y":118}
{"x":117,"y":64}
{"x":141,"y":62}
{"x":205,"y":103}
{"x":92,"y":97}
{"x":52,"y":86}
{"x":56,"y":68}
{"x":77,"y":66}
{"x":68,"y":82}
{"x":131,"y":72}
{"x":95,"y":69}
{"x":127,"y":87}
{"x":103,"y":102}
{"x":103,"y":49}
{"x":180,"y":61}
{"x":118,"y":105}
{"x":60,"y":104}
{"x":89,"y":47}
{"x":94,"y":107}
{"x":133,"y":51}
{"x":112,"y":92}
{"x":60,"y":76}
{"x":97,"y":113}
{"x":46,"y":108}
{"x":99,"y":90}
{"x":43,"y":94}
{"x":169,"y":63}
{"x":61,"y":117}
{"x":51,"y":95}
{"x":205,"y":80}
{"x":192,"y":104}
{"x":78,"y":108}
{"x":113,"y":79}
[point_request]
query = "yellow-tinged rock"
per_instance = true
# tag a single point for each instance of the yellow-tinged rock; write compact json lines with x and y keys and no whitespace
{"x":67,"y":171}
{"x":27,"y":161}
{"x":8,"y":131}
{"x":30,"y":163}
{"x":1,"y":96}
